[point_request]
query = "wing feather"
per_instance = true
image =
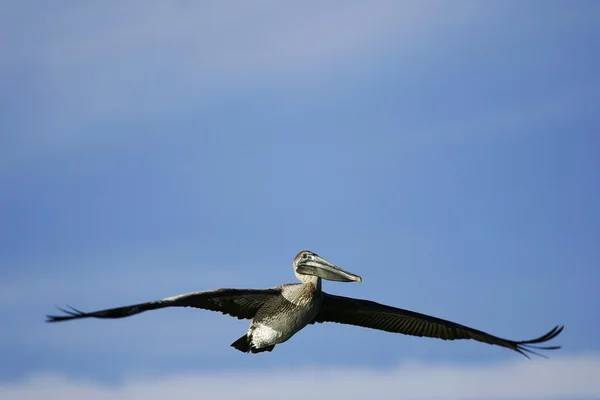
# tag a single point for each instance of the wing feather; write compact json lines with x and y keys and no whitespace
{"x":369,"y":314}
{"x":239,"y":303}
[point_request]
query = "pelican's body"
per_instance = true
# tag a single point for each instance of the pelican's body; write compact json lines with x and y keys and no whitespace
{"x":279,"y":313}
{"x":282,"y":317}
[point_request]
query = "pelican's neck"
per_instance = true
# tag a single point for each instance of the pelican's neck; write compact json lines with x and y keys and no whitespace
{"x":310,"y":280}
{"x":317,"y":283}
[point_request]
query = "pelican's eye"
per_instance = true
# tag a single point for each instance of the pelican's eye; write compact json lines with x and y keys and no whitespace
{"x":304,"y":256}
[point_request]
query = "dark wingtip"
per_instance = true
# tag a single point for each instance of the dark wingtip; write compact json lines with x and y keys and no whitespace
{"x":53,"y":318}
{"x":75,"y":313}
{"x":529,"y":345}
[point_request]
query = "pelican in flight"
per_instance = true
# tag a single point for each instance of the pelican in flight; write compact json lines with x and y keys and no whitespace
{"x":278,"y":313}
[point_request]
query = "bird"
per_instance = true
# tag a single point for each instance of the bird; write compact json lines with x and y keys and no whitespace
{"x":278,"y":313}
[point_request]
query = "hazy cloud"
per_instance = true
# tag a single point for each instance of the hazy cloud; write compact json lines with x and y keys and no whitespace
{"x":206,"y":40}
{"x":86,"y":63}
{"x":560,"y":378}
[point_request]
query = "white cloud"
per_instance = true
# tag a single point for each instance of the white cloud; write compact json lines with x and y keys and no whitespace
{"x":92,"y":63}
{"x":559,"y":378}
{"x":204,"y":40}
{"x":98,"y":61}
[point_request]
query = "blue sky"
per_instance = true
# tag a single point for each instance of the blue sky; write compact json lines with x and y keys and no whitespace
{"x":448,"y":154}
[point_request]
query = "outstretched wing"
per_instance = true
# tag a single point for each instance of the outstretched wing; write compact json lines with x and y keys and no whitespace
{"x":369,"y":314}
{"x":240,"y":303}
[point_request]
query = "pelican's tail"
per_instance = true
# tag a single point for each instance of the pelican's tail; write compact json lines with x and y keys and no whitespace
{"x":242,"y":344}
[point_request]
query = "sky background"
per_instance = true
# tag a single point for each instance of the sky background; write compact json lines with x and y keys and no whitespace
{"x":447,"y":152}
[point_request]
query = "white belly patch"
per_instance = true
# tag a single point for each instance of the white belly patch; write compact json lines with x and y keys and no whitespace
{"x":263,"y":335}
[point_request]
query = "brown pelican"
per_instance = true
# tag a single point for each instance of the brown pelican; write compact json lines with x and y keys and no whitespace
{"x":278,"y":313}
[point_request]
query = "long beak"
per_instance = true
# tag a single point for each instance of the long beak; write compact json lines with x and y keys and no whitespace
{"x":318,"y":266}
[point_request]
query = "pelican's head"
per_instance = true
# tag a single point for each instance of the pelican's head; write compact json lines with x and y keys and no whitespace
{"x":308,"y":265}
